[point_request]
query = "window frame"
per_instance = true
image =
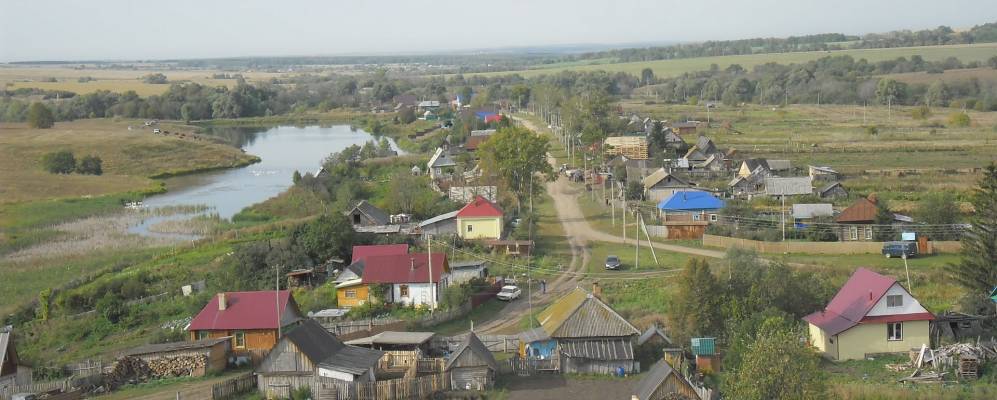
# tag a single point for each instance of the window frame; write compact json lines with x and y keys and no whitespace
{"x":895,"y":331}
{"x":894,"y":300}
{"x":868,"y":233}
{"x":239,"y":336}
{"x":714,"y":218}
{"x":201,"y":335}
{"x":697,"y":217}
{"x":351,"y":293}
{"x":403,"y":291}
{"x":853,"y":233}
{"x":470,"y":228}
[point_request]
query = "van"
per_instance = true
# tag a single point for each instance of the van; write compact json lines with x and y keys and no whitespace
{"x":899,"y":249}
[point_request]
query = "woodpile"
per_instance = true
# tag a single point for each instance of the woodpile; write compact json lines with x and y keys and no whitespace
{"x":964,"y":359}
{"x":136,"y":370}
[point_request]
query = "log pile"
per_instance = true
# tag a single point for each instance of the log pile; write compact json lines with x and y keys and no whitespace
{"x":964,"y":359}
{"x":178,"y":366}
{"x":136,"y":370}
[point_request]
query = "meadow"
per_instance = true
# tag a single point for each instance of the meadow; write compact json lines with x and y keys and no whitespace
{"x":669,"y":68}
{"x":114,"y":80}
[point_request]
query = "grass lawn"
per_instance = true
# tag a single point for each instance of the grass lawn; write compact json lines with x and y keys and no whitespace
{"x":870,"y":379}
{"x":669,"y":68}
{"x":482,"y":313}
{"x":600,"y":250}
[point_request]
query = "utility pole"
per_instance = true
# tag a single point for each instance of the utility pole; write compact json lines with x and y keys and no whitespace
{"x":909,"y":289}
{"x":277,"y":297}
{"x":637,"y":239}
{"x":432,"y":289}
{"x":782,"y":212}
{"x":529,"y":257}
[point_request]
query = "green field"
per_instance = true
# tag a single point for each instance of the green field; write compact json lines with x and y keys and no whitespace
{"x":670,"y":68}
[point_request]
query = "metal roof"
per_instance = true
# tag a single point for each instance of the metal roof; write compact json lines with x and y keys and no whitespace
{"x":396,"y":338}
{"x":598,"y":349}
{"x":691,"y":201}
{"x":324,"y":349}
{"x":660,"y":175}
{"x":812,"y":210}
{"x":655,"y":377}
{"x":352,"y":359}
{"x":438,"y":218}
{"x":578,"y":314}
{"x":371,"y":212}
{"x":788,"y":186}
{"x":651,"y":332}
{"x":854,"y":301}
{"x":174,"y":346}
{"x":467,"y":264}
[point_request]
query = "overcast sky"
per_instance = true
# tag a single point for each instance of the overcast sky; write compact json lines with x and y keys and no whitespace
{"x":141,"y":29}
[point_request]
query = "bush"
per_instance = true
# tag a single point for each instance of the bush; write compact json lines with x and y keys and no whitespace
{"x":60,"y":162}
{"x":301,"y":393}
{"x":922,"y":112}
{"x":90,"y":165}
{"x":156,"y":78}
{"x":959,"y":119}
{"x":40,"y":117}
{"x":872,"y":130}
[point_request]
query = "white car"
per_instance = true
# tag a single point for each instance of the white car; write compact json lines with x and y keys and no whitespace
{"x":509,"y":293}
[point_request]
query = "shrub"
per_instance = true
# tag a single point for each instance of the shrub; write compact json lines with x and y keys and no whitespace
{"x":922,"y":112}
{"x":60,"y":162}
{"x":40,"y":117}
{"x":872,"y":130}
{"x":90,"y":165}
{"x":959,"y":119}
{"x":301,"y":393}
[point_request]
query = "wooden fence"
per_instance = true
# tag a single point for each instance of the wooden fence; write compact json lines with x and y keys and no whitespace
{"x":85,"y":368}
{"x":343,"y":328}
{"x":7,"y":391}
{"x":494,"y":343}
{"x":815,"y":247}
{"x":332,"y":389}
{"x":232,"y":387}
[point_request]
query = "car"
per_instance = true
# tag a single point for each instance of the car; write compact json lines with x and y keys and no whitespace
{"x":899,"y":249}
{"x":509,"y":293}
{"x":613,"y":263}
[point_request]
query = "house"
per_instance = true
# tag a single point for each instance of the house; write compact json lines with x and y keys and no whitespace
{"x":690,"y":206}
{"x":664,"y":382}
{"x":588,"y":335}
{"x":308,"y":355}
{"x":747,"y":186}
{"x":404,"y":100}
{"x":804,"y":214}
{"x":793,"y":186}
{"x":753,"y":166}
{"x":473,"y":142}
{"x":479,"y":219}
{"x":441,"y":165}
{"x":633,"y":147}
{"x":661,"y":185}
{"x":416,"y":279}
{"x":443,"y":224}
{"x":465,"y":271}
{"x":363,"y":251}
{"x":673,"y":140}
{"x":871,"y":314}
{"x":823,"y":173}
{"x":701,"y":151}
{"x":214,"y":352}
{"x":858,"y":221}
{"x":350,"y":290}
{"x":685,"y":128}
{"x":428,"y":105}
{"x":715,"y":162}
{"x":251,"y":319}
{"x":466,"y":194}
{"x":832,"y":191}
{"x":12,"y":372}
{"x":472,"y":366}
{"x":401,"y":349}
{"x":366,"y":214}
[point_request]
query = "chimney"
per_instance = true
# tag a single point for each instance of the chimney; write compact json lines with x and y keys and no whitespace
{"x":596,"y":290}
{"x":412,"y":259}
{"x":870,"y":295}
{"x":221,"y":302}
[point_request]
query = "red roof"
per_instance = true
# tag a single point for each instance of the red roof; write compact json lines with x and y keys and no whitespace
{"x":850,"y":306}
{"x":493,"y":118}
{"x":399,"y":268}
{"x":243,"y":310}
{"x":359,"y":252}
{"x":480,"y":207}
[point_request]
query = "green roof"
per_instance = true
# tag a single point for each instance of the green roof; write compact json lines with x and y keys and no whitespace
{"x":578,"y":314}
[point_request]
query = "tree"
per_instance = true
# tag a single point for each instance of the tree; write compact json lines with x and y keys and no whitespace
{"x":517,"y":157}
{"x":406,"y":115}
{"x":890,"y":91}
{"x":186,"y":112}
{"x":937,"y":94}
{"x":646,"y":76}
{"x":992,"y":62}
{"x":959,"y":119}
{"x":40,"y":117}
{"x":776,"y":365}
{"x":696,"y":310}
{"x":884,"y":220}
{"x":405,"y":189}
{"x":328,"y":236}
{"x":634,"y":190}
{"x":465,"y":95}
{"x":922,"y":112}
{"x":60,"y":162}
{"x":156,"y":78}
{"x":977,"y":270}
{"x":296,"y":177}
{"x":90,"y":165}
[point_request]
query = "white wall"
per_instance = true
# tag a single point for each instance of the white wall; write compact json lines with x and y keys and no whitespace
{"x":910,"y":304}
{"x":328,"y":373}
{"x":419,"y":293}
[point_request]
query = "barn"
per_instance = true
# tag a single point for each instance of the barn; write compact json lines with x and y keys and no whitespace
{"x":472,"y":366}
{"x":214,"y":352}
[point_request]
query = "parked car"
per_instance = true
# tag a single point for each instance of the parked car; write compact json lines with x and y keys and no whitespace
{"x":509,"y":293}
{"x":900,"y":249}
{"x":613,"y":263}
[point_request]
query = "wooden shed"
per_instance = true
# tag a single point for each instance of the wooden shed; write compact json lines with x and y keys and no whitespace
{"x":214,"y":353}
{"x":472,"y":366}
{"x":664,"y":382}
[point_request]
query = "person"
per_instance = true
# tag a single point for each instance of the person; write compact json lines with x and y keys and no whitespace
{"x":543,"y":286}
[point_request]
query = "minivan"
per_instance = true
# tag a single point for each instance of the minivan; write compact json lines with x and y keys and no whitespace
{"x":899,"y":249}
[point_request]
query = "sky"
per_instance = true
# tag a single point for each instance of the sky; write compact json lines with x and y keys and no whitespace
{"x":142,"y":29}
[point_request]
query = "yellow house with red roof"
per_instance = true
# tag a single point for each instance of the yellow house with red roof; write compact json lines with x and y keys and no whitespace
{"x":479,"y":219}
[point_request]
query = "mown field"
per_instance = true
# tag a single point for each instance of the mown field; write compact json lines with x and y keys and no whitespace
{"x":670,"y":68}
{"x":115,"y":80}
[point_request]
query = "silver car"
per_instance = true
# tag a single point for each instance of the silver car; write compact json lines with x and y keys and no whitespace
{"x":613,"y":263}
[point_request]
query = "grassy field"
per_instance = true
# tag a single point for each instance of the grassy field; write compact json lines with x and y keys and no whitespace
{"x":115,"y":80}
{"x":670,"y":68}
{"x":130,"y":158}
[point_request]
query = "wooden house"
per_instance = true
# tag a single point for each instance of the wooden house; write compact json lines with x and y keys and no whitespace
{"x":440,"y":225}
{"x":673,"y":140}
{"x":871,"y":314}
{"x":685,"y":128}
{"x":308,"y":354}
{"x":402,"y":350}
{"x":472,"y":366}
{"x":441,"y":165}
{"x":661,"y":185}
{"x":12,"y":372}
{"x":590,"y":337}
{"x":753,"y":166}
{"x":464,"y":271}
{"x":858,"y":221}
{"x":823,"y":173}
{"x":366,"y":214}
{"x":416,"y":279}
{"x":663,"y":382}
{"x":350,"y":289}
{"x":690,"y":206}
{"x":213,"y":352}
{"x":832,"y":190}
{"x":480,"y":219}
{"x":747,"y":186}
{"x":701,"y":151}
{"x":251,"y":319}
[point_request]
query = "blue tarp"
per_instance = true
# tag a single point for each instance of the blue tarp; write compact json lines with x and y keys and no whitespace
{"x":691,"y":201}
{"x":484,"y":114}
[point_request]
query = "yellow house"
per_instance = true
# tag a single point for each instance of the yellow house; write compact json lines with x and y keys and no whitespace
{"x":479,"y":219}
{"x":871,"y":314}
{"x":352,"y":293}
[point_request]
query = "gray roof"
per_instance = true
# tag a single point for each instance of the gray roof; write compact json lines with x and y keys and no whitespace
{"x":780,"y":165}
{"x":754,"y":163}
{"x":438,"y":218}
{"x":371,"y":212}
{"x":329,"y":313}
{"x":467,"y":264}
{"x":326,"y":350}
{"x":352,"y":359}
{"x":788,"y":186}
{"x":812,"y":210}
{"x":650,"y":333}
{"x":579,"y":314}
{"x":534,"y":335}
{"x":396,"y":338}
{"x":829,"y":186}
{"x":598,"y":348}
{"x":473,"y":344}
{"x":654,"y":378}
{"x":441,"y":159}
{"x":660,"y":175}
{"x":482,"y":132}
{"x":174,"y":346}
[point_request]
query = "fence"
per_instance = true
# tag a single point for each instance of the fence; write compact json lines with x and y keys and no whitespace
{"x":85,"y":368}
{"x":332,"y":389}
{"x":494,"y":343}
{"x":232,"y":387}
{"x":7,"y":391}
{"x":349,"y":330}
{"x":816,"y":247}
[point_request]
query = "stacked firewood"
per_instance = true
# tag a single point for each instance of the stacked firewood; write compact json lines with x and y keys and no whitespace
{"x":177,"y":366}
{"x":136,"y":370}
{"x":128,"y":370}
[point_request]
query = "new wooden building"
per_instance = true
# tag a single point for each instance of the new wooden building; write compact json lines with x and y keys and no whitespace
{"x":633,"y":147}
{"x":251,"y":319}
{"x":214,"y":352}
{"x":472,"y":366}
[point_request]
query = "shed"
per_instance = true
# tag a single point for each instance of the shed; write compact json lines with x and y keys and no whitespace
{"x":401,"y":349}
{"x":661,"y":184}
{"x":803,"y":211}
{"x":822,"y":173}
{"x":663,"y":381}
{"x":472,"y":366}
{"x":443,"y":224}
{"x":832,"y":190}
{"x":12,"y":372}
{"x":465,"y":271}
{"x":788,"y":186}
{"x":365,"y":214}
{"x":591,"y":337}
{"x":213,"y":352}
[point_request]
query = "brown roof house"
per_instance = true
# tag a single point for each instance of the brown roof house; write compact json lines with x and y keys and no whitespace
{"x":661,"y":185}
{"x":859,"y":221}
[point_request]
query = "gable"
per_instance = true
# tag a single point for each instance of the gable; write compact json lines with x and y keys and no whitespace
{"x":910,"y":305}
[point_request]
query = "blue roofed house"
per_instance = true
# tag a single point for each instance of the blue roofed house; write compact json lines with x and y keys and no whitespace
{"x":690,"y":206}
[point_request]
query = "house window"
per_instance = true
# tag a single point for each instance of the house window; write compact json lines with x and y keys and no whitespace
{"x":201,"y":335}
{"x":696,"y":217}
{"x":240,"y":339}
{"x":470,"y":228}
{"x":351,"y":294}
{"x":403,"y":290}
{"x":895,"y":331}
{"x":895,"y":300}
{"x":713,"y":218}
{"x":853,"y":233}
{"x":868,"y":233}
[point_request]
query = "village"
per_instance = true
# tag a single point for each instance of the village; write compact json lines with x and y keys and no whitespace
{"x":674,"y":183}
